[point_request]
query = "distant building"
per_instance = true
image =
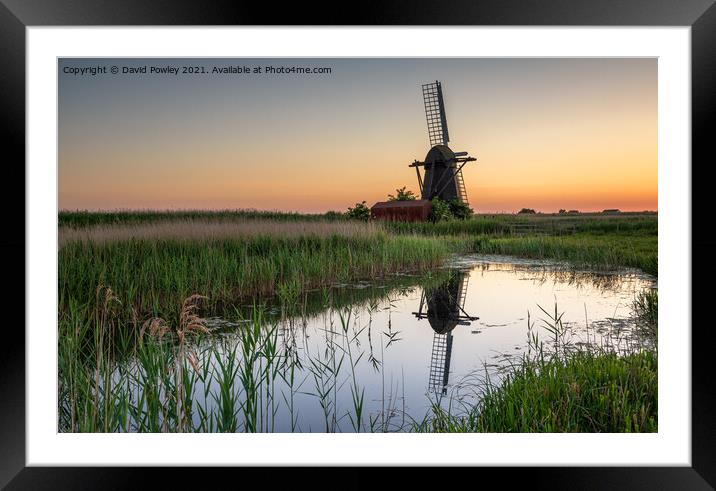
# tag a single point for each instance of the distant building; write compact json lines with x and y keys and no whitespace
{"x":611,"y":211}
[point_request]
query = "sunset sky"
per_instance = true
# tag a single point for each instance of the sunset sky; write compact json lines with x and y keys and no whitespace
{"x":547,"y":133}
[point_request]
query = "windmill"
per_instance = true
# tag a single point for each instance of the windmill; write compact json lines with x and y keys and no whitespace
{"x":442,"y":168}
{"x":444,"y":307}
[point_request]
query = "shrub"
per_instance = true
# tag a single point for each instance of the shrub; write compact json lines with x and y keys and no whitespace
{"x":333,"y":215}
{"x":460,"y":209}
{"x":441,"y":211}
{"x":359,"y":212}
{"x":402,"y":195}
{"x":448,"y":210}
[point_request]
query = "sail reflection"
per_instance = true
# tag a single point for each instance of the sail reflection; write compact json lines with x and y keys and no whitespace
{"x":444,"y":308}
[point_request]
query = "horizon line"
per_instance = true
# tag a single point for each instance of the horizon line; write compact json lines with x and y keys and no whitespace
{"x":275,"y":210}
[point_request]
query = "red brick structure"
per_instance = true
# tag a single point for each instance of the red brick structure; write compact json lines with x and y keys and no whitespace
{"x":402,"y":211}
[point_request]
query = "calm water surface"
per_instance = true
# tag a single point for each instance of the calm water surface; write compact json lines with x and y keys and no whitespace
{"x":414,"y":341}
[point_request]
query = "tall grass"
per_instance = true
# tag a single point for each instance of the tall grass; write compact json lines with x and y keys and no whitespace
{"x":473,"y":226}
{"x":208,"y":230}
{"x":155,"y":273}
{"x":630,"y":223}
{"x":646,"y":310}
{"x":86,"y":218}
{"x":520,"y":225}
{"x":165,"y":386}
{"x":587,"y":392}
{"x":585,"y":250}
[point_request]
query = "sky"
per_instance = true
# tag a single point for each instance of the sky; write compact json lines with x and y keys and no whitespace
{"x":548,"y":133}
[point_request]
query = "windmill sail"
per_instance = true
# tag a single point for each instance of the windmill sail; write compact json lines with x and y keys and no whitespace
{"x":435,"y":114}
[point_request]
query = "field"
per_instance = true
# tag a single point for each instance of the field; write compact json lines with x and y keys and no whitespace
{"x":128,"y":281}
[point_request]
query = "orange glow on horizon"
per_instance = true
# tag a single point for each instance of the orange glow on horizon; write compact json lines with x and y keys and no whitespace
{"x":572,"y":134}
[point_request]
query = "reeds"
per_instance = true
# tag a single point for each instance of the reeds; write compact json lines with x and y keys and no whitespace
{"x":509,"y":225}
{"x":204,"y":230}
{"x":599,"y":252}
{"x":587,"y":393}
{"x":153,"y":274}
{"x":85,"y":218}
{"x":646,"y":310}
{"x":168,"y":383}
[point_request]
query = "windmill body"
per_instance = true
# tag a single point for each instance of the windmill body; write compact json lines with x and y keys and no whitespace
{"x":439,"y":178}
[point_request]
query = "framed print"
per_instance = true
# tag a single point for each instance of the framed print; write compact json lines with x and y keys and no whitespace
{"x":397,"y":239}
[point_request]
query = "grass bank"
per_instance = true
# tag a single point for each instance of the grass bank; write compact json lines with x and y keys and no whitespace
{"x":587,"y":392}
{"x":597,"y":251}
{"x":599,"y":242}
{"x":520,"y":225}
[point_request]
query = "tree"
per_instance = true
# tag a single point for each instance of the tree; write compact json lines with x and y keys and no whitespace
{"x":402,"y":195}
{"x":359,"y":212}
{"x":526,"y":210}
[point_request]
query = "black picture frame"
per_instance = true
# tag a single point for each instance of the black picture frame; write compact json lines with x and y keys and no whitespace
{"x":700,"y":15}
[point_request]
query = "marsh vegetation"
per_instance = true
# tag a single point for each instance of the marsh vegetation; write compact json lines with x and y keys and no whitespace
{"x":253,"y":321}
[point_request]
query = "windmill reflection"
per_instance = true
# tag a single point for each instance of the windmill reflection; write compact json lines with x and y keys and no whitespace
{"x":444,"y":307}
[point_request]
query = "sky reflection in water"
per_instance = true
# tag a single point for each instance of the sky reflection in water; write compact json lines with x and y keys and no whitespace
{"x":434,"y":340}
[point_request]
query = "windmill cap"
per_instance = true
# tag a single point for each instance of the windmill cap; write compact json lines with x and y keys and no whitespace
{"x":440,"y":152}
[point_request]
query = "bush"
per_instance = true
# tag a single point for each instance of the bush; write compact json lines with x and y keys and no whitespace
{"x":441,"y":211}
{"x":359,"y":212}
{"x":460,"y":209}
{"x":448,"y":210}
{"x":402,"y":195}
{"x":333,"y":215}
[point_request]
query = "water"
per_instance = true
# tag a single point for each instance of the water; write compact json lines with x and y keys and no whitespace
{"x":410,"y":341}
